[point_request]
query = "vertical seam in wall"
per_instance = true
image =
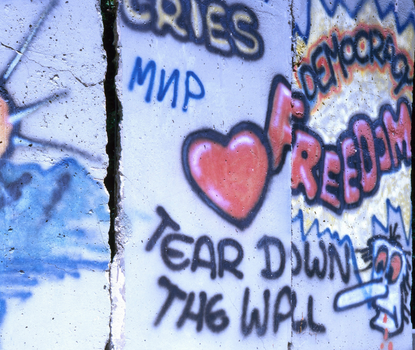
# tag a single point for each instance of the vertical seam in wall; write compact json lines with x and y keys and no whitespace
{"x":412,"y":303}
{"x":291,"y":14}
{"x":113,"y":115}
{"x":108,"y":10}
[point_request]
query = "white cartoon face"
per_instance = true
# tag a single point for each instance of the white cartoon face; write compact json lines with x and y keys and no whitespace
{"x":389,"y":268}
{"x":388,"y":288}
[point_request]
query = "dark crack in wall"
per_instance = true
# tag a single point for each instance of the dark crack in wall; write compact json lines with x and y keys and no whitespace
{"x":108,"y":10}
{"x":113,"y":109}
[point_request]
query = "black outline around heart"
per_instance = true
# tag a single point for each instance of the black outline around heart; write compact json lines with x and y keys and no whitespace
{"x":224,"y":140}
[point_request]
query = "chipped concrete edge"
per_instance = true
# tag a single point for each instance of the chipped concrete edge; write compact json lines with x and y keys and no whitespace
{"x":122,"y":226}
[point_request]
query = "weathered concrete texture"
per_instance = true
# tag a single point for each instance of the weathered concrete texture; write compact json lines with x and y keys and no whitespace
{"x":54,"y":217}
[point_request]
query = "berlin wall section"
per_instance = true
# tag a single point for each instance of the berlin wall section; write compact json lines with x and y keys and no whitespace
{"x":265,"y":174}
{"x":54,"y":217}
{"x":199,"y":198}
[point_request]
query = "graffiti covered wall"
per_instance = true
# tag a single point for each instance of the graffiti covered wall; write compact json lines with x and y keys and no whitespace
{"x":265,"y":174}
{"x":351,"y":171}
{"x":53,"y":206}
{"x":200,"y":196}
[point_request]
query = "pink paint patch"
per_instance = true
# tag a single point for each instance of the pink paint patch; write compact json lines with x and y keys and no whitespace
{"x":297,"y":108}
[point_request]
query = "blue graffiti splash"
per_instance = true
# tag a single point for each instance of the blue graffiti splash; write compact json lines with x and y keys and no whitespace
{"x":48,"y":225}
{"x":403,"y":18}
{"x":394,"y":215}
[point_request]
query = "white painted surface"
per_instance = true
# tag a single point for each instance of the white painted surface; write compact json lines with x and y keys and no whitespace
{"x":152,"y":175}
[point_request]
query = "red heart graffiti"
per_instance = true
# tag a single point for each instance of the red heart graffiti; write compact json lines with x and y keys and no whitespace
{"x":229,"y":172}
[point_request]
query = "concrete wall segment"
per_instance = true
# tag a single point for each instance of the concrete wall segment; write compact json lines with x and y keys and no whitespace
{"x":235,"y":89}
{"x":53,"y":213}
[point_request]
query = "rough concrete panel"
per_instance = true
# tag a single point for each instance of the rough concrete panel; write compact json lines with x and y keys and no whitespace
{"x":54,"y":217}
{"x":196,"y":108}
{"x":351,"y":171}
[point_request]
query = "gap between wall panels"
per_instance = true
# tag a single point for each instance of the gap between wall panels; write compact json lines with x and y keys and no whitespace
{"x":108,"y":10}
{"x":113,"y":110}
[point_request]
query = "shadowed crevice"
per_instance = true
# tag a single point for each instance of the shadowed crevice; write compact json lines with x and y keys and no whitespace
{"x":108,"y":10}
{"x":113,"y":111}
